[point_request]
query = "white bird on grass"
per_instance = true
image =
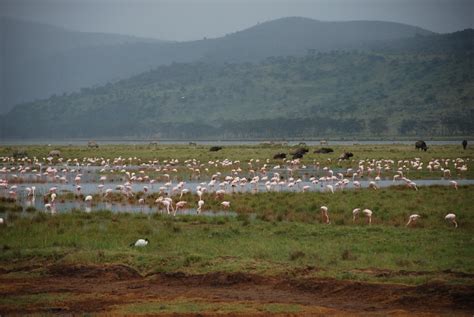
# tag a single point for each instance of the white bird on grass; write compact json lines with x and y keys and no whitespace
{"x":413,"y":219}
{"x":452,"y":218}
{"x":140,"y":243}
{"x":324,"y":214}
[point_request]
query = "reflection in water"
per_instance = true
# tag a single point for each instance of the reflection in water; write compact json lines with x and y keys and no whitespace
{"x":66,"y":206}
{"x":91,"y":188}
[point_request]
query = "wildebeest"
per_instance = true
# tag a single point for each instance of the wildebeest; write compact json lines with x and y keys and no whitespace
{"x":299,"y":153}
{"x":421,"y":145}
{"x":324,"y":150}
{"x":56,"y":153}
{"x":346,"y":156}
{"x":215,"y":148}
{"x":279,"y":156}
{"x":464,"y":144}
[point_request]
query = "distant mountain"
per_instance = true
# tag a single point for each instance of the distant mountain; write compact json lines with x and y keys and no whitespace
{"x":338,"y":93}
{"x":40,"y":60}
{"x":295,"y":36}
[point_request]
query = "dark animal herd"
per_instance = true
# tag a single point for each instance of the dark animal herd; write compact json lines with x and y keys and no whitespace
{"x":421,"y":145}
{"x":300,"y":152}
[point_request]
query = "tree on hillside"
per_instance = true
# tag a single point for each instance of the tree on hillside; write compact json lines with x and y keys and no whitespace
{"x":378,"y":125}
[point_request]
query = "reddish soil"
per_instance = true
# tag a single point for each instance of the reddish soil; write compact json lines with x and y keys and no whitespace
{"x":100,"y":289}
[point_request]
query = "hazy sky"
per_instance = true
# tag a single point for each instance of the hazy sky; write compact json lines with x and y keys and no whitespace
{"x":194,"y":19}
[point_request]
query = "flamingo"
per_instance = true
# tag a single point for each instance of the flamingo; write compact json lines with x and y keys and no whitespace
{"x":452,"y":218}
{"x":373,"y":185}
{"x":225,"y":204}
{"x":355,"y":213}
{"x":88,"y":201}
{"x":454,"y":184}
{"x":368,"y":215}
{"x":330,"y":188}
{"x":108,"y":191}
{"x":184,"y":191}
{"x":413,"y":219}
{"x":200,"y":204}
{"x":53,"y":198}
{"x":179,"y":205}
{"x":167,"y":202}
{"x":324,"y":214}
{"x":447,"y":173}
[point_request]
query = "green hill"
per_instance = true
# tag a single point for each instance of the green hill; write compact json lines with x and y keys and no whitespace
{"x":41,"y":60}
{"x":323,"y":94}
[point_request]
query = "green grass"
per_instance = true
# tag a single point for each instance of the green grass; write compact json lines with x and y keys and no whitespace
{"x":273,"y":233}
{"x":267,"y":244}
{"x":391,"y":206}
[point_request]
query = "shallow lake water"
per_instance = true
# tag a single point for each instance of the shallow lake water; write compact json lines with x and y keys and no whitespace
{"x":91,"y":188}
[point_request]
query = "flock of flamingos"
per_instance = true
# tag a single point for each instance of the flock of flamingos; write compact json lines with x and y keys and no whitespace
{"x":127,"y":176}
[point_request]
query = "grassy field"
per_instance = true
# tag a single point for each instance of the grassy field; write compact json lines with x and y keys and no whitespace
{"x":139,"y":154}
{"x":277,"y":236}
{"x":274,"y":233}
{"x":241,"y":152}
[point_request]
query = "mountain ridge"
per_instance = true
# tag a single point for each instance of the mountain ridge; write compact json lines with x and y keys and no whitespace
{"x":39,"y":70}
{"x":341,"y":93}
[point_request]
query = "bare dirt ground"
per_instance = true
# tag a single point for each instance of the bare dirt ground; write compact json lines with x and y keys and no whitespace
{"x":103,"y":289}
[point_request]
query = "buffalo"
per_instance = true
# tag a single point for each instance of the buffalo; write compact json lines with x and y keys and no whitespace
{"x":464,"y":144}
{"x":421,"y":145}
{"x":346,"y":156}
{"x":299,"y":153}
{"x":215,"y":148}
{"x":324,"y":150}
{"x":279,"y":156}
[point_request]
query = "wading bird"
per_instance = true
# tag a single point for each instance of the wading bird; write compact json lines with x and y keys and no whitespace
{"x":452,"y":218}
{"x":413,"y":219}
{"x":140,"y":243}
{"x":324,"y":214}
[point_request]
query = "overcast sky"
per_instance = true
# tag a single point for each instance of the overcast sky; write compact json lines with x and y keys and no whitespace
{"x":194,"y":19}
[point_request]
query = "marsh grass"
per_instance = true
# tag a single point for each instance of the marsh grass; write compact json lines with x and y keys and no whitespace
{"x":274,"y":233}
{"x":197,"y":244}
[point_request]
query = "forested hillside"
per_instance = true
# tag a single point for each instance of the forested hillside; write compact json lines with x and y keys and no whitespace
{"x":339,"y":93}
{"x":41,"y":60}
